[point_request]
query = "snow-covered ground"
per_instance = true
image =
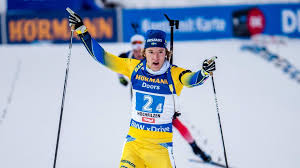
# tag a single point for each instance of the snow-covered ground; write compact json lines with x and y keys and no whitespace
{"x":259,"y":107}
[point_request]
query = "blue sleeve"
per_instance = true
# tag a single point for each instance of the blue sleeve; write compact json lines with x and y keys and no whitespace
{"x":191,"y":79}
{"x":94,"y":49}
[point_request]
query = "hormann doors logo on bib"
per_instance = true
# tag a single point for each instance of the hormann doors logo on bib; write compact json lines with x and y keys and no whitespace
{"x":156,"y":82}
{"x":152,"y":80}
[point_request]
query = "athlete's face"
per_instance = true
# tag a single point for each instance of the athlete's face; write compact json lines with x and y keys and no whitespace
{"x":155,"y":57}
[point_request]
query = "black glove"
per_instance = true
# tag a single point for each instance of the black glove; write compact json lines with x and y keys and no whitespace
{"x":123,"y":81}
{"x":209,"y":66}
{"x":197,"y":151}
{"x":176,"y":114}
{"x":76,"y":21}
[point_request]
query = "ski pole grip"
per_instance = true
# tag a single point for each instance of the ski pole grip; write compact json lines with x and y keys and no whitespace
{"x":211,"y":60}
{"x":70,"y":11}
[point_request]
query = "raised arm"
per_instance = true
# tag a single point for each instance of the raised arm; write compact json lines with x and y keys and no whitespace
{"x":115,"y":63}
{"x":191,"y":79}
{"x":120,"y":65}
{"x":183,"y":77}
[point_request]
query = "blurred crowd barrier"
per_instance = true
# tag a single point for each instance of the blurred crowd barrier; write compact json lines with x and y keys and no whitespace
{"x":114,"y":24}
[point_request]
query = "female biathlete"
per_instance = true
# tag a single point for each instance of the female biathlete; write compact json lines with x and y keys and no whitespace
{"x":156,"y":86}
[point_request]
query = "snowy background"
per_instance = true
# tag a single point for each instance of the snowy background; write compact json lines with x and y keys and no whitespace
{"x":259,"y":107}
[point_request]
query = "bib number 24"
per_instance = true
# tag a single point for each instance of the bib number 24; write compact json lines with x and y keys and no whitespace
{"x":149,"y":103}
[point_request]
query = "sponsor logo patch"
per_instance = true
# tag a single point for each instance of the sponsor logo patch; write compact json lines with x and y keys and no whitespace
{"x":153,"y":80}
{"x":148,"y":120}
{"x":154,"y":40}
{"x":152,"y":115}
{"x":152,"y":127}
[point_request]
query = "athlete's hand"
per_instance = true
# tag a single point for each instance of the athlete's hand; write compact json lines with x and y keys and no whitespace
{"x":209,"y":66}
{"x":123,"y":81}
{"x":76,"y":22}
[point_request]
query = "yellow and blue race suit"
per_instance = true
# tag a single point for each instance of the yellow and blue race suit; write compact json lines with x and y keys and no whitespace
{"x":149,"y":140}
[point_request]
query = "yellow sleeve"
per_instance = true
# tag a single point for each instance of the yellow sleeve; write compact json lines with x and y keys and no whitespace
{"x":175,"y":72}
{"x":182,"y":77}
{"x":122,"y":66}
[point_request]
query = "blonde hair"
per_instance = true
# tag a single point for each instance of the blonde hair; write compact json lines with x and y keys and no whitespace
{"x":168,"y":54}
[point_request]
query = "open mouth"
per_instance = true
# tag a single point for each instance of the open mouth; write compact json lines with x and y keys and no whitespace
{"x":155,"y":63}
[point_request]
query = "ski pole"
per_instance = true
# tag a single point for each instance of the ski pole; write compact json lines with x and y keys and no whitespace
{"x":172,"y":23}
{"x":11,"y":93}
{"x":135,"y":27}
{"x":217,"y":108}
{"x":63,"y":97}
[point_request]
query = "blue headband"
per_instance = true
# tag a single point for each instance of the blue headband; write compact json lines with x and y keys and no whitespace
{"x":155,"y":38}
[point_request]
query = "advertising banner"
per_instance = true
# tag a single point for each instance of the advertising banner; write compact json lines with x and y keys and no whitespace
{"x":43,"y":4}
{"x":276,"y":19}
{"x":215,"y":22}
{"x":195,"y":23}
{"x":283,"y":19}
{"x":30,"y":27}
